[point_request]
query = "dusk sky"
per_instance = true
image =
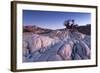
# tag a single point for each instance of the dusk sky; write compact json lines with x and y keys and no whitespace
{"x":53,"y":19}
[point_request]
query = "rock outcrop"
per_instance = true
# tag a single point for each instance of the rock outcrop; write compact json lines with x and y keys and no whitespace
{"x":56,"y":45}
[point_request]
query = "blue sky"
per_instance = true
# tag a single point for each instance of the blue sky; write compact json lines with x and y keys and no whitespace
{"x":53,"y":19}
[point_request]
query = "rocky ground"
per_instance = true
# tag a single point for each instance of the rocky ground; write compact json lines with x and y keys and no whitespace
{"x":56,"y":45}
